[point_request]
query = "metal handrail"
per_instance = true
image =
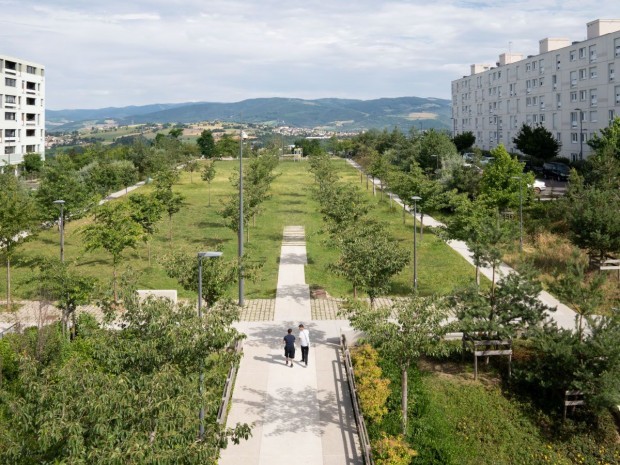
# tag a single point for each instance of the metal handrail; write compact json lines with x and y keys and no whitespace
{"x":359,"y":418}
{"x":222,"y":412}
{"x":11,"y":329}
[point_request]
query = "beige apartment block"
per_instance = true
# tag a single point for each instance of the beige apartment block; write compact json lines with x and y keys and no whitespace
{"x":22,"y":109}
{"x":569,"y":87}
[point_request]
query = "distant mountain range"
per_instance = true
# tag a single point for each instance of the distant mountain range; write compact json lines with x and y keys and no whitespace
{"x":328,"y":113}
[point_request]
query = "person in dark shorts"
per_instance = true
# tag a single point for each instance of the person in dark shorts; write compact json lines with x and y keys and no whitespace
{"x":289,"y":347}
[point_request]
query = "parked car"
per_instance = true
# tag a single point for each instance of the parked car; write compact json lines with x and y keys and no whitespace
{"x":555,"y":170}
{"x":539,"y":186}
{"x":532,"y":168}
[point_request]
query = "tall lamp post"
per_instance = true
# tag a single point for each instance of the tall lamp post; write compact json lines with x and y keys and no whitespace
{"x":415,"y":199}
{"x":61,"y":225}
{"x":201,"y":414}
{"x":520,"y":178}
{"x":580,"y":133}
{"x":241,"y":283}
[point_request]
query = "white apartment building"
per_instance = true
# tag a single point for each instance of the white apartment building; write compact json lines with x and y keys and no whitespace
{"x":569,"y":87}
{"x":22,"y":109}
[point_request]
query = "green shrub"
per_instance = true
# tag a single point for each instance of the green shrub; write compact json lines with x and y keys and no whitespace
{"x":373,"y":390}
{"x":392,"y":450}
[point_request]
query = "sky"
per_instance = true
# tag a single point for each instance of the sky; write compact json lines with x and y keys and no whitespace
{"x":136,"y":52}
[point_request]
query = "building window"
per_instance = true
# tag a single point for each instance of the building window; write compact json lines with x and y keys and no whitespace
{"x":558,"y":62}
{"x":617,"y":92}
{"x":554,"y":81}
{"x":583,"y":74}
{"x":573,"y":78}
{"x":9,"y":133}
{"x":558,"y":100}
{"x":612,"y":71}
{"x":31,"y":70}
{"x":592,"y":52}
{"x":31,"y":85}
{"x":9,"y":150}
{"x":574,"y":138}
{"x":9,"y":116}
{"x":10,"y":82}
{"x":612,"y":115}
{"x":31,"y":101}
{"x":10,"y":99}
{"x":573,"y":96}
{"x":573,"y":119}
{"x":593,"y":97}
{"x":30,"y":132}
{"x":541,"y":66}
{"x":593,"y":116}
{"x":10,"y":65}
{"x":583,"y":95}
{"x":528,"y":67}
{"x":582,"y":53}
{"x":572,"y":56}
{"x":558,"y":136}
{"x":593,"y":72}
{"x":31,"y":148}
{"x":542,"y":118}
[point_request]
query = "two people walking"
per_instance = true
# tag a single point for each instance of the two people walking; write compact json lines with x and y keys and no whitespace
{"x":289,"y":345}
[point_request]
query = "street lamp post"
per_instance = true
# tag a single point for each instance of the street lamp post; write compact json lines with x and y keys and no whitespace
{"x":580,"y":133}
{"x":61,"y":225}
{"x":201,"y":414}
{"x":520,"y":178}
{"x":241,"y":283}
{"x":415,"y":199}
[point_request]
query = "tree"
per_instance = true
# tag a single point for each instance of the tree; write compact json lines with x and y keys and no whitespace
{"x":112,"y":230}
{"x":208,"y":175}
{"x":190,"y":167}
{"x":502,"y":312}
{"x":434,"y":144}
{"x":17,"y":221}
{"x":593,"y":221}
{"x":464,"y":141}
{"x":227,"y":146}
{"x":175,"y":133}
{"x":369,"y":258}
{"x":503,"y":180}
{"x":132,"y":390}
{"x":68,"y":286}
{"x":146,"y":210}
{"x":206,"y":143}
{"x":404,"y":332}
{"x":60,"y":181}
{"x":379,"y":167}
{"x":537,"y":142}
{"x":33,"y":164}
{"x":602,"y":168}
{"x":171,"y":201}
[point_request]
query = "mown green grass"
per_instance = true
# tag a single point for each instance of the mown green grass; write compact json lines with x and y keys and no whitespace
{"x":199,"y":227}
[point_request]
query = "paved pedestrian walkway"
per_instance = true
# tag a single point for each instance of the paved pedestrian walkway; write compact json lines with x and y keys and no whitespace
{"x":563,"y":316}
{"x":301,"y":415}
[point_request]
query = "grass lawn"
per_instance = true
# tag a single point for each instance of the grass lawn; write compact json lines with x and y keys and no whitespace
{"x":199,"y":227}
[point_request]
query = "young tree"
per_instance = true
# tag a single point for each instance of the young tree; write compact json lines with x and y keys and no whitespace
{"x":171,"y":201}
{"x":227,"y":146}
{"x":18,"y":221}
{"x":369,"y":258}
{"x":502,"y":312}
{"x":208,"y":175}
{"x":68,"y":286}
{"x":113,"y":230}
{"x":404,"y":332}
{"x":434,"y":144}
{"x":190,"y":167}
{"x":33,"y":164}
{"x":146,"y":211}
{"x":503,"y":179}
{"x":206,"y":143}
{"x":537,"y":142}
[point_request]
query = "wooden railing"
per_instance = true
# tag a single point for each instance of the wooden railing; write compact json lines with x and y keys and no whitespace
{"x":359,"y":418}
{"x":222,"y":413}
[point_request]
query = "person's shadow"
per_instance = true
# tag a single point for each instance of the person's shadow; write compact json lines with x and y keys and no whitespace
{"x":272,"y":358}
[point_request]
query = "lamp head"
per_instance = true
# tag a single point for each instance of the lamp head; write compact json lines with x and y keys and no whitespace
{"x":209,"y":254}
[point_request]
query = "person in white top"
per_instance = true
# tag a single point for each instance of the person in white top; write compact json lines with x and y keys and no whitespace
{"x":304,"y":341}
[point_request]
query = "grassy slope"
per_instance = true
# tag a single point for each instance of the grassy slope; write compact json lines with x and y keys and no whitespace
{"x":200,"y":227}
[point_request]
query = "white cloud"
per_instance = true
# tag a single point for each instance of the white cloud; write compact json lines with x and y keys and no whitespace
{"x":121,"y":53}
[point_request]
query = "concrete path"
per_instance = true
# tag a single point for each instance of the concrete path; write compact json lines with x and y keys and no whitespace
{"x":301,"y":415}
{"x":564,"y":316}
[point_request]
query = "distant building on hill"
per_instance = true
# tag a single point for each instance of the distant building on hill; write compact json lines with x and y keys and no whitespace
{"x":22,"y":109}
{"x":569,"y":87}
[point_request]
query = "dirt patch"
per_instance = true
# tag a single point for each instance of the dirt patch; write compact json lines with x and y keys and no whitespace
{"x":421,"y":115}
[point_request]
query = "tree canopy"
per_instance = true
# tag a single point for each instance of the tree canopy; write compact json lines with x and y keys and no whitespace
{"x":537,"y":142}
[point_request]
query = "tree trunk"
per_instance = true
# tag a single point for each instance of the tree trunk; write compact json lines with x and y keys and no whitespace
{"x":493,"y":283}
{"x":8,"y":282}
{"x":477,"y":275}
{"x":366,"y":182}
{"x":404,"y":211}
{"x":404,"y":399}
{"x":374,"y":187}
{"x":114,"y":282}
{"x":170,"y":228}
{"x":209,"y":194}
{"x":354,"y":291}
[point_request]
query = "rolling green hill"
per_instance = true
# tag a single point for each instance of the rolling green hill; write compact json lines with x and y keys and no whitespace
{"x":328,"y":113}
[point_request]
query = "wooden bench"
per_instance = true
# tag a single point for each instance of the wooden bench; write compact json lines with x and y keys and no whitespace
{"x":572,"y":399}
{"x":487,"y":348}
